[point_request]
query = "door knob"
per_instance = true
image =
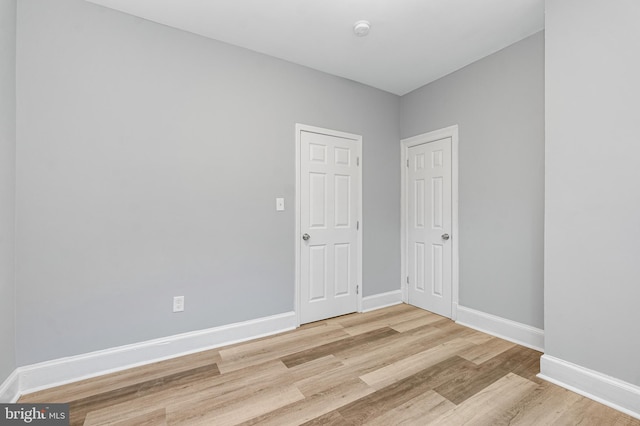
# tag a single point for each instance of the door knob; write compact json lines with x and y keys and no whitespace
{"x":306,"y":237}
{"x":445,"y":237}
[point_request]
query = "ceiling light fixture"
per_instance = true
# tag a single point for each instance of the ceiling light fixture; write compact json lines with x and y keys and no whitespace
{"x":361,"y":28}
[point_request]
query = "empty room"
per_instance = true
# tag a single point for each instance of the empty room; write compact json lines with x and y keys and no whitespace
{"x":319,"y":212}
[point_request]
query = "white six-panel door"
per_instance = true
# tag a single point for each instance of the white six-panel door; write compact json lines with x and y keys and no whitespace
{"x":429,"y":226}
{"x":329,"y":224}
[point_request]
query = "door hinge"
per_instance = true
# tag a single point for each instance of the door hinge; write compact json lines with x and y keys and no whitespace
{"x":407,"y":279}
{"x":357,"y":225}
{"x":357,"y":161}
{"x":357,"y":289}
{"x":407,"y":162}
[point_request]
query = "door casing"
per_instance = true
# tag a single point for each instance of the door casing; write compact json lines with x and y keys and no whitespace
{"x":448,"y":132}
{"x":298,"y":232}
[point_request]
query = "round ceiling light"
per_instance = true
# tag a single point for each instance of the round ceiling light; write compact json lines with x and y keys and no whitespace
{"x":361,"y":28}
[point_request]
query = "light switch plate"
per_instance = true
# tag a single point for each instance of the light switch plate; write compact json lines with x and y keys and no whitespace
{"x":178,"y":304}
{"x":279,"y":204}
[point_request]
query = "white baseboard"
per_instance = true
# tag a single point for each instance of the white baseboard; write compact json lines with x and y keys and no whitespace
{"x":607,"y":390}
{"x":382,"y":300}
{"x":10,"y":388}
{"x":57,"y":372}
{"x":512,"y":331}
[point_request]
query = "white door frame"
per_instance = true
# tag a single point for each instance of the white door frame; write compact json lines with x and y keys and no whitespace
{"x":405,"y":144}
{"x":298,"y":234}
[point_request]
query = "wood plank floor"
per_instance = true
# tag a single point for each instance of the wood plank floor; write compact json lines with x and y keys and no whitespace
{"x":394,"y":366}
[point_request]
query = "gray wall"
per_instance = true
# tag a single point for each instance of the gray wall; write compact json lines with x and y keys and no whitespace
{"x":592,"y":272}
{"x":149,"y":160}
{"x":7,"y":183}
{"x":498,"y":103}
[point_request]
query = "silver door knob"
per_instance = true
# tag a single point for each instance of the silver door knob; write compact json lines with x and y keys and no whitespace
{"x":306,"y":237}
{"x":445,"y":237}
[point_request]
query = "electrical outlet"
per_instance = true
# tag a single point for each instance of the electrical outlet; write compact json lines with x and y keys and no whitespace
{"x":178,"y":304}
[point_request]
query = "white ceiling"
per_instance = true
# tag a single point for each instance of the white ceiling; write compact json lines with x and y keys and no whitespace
{"x":411,"y":43}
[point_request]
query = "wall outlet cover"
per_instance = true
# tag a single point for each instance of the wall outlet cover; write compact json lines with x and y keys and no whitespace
{"x":178,"y":304}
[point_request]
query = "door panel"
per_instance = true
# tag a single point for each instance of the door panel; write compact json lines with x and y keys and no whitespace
{"x":419,"y":267}
{"x":329,"y":198}
{"x":342,"y":186}
{"x":317,"y":200}
{"x":429,"y":222}
{"x":317,"y":272}
{"x":342,"y":269}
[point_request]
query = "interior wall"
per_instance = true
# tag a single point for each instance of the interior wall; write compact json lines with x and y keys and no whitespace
{"x":592,"y":179}
{"x":149,"y":160}
{"x":498,"y":103}
{"x":7,"y":184}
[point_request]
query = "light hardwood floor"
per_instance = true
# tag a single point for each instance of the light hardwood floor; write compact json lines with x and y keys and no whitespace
{"x":394,"y":366}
